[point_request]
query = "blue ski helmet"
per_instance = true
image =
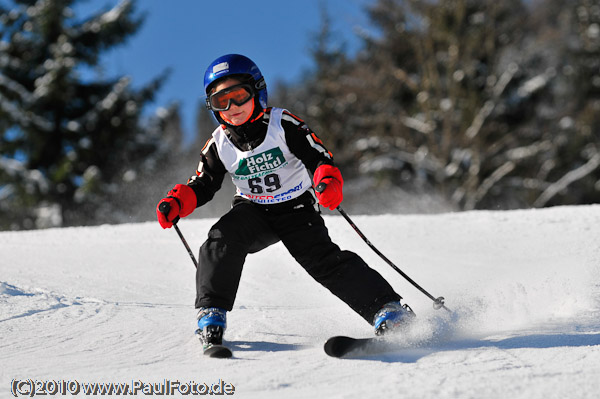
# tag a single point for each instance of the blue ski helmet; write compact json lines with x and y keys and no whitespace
{"x":236,"y":64}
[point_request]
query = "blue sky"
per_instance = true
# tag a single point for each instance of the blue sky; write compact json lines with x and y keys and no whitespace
{"x":186,"y":35}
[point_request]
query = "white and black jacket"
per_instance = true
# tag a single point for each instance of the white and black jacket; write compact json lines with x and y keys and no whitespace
{"x":305,"y":153}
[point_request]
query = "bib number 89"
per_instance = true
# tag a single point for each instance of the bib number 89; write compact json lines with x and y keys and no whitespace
{"x":269,"y":184}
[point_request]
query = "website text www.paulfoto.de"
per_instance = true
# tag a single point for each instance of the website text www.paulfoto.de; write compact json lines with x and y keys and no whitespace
{"x":31,"y":387}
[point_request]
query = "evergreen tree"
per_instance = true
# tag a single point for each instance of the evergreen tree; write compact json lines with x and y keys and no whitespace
{"x":454,"y":104}
{"x":493,"y":104}
{"x":67,"y":140}
{"x":572,"y":176}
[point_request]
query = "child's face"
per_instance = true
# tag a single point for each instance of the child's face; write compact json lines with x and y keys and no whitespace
{"x":236,"y":114}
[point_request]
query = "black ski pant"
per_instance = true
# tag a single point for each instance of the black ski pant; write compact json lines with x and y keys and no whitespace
{"x":249,"y":228}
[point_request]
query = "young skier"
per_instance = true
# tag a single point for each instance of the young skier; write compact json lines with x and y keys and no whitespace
{"x":270,"y":155}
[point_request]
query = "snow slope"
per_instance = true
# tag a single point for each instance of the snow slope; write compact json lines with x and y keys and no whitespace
{"x":115,"y":304}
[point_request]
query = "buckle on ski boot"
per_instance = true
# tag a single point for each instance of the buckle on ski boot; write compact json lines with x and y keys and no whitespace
{"x":212,"y":323}
{"x":391,"y":316}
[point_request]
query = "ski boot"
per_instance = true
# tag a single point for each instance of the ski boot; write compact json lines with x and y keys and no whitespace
{"x":392,"y":316}
{"x":212,"y":323}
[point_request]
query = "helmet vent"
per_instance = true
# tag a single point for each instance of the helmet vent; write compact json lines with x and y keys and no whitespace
{"x":220,"y":67}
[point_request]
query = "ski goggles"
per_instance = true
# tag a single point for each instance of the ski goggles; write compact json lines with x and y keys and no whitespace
{"x":238,"y":94}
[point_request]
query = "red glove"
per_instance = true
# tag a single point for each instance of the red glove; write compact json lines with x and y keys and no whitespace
{"x":181,"y":201}
{"x":332,"y":195}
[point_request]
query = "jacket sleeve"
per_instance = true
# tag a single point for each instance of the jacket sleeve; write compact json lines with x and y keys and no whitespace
{"x":209,"y":175}
{"x":304,"y":143}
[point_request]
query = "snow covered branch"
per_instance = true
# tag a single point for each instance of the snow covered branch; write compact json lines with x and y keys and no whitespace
{"x":488,"y":183}
{"x":567,"y":179}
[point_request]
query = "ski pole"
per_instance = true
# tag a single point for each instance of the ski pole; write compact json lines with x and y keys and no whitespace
{"x":164,"y":208}
{"x":438,"y":303}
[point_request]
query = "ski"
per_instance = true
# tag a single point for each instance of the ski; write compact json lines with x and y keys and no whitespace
{"x":213,"y":350}
{"x":340,"y":346}
{"x":415,"y":337}
{"x":216,"y":351}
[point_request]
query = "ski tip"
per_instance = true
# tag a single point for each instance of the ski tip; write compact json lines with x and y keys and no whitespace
{"x":338,"y":346}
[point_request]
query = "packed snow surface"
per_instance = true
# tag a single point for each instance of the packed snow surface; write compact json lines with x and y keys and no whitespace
{"x":115,"y":304}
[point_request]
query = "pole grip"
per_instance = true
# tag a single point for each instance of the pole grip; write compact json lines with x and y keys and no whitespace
{"x":321,"y":187}
{"x":165,"y":208}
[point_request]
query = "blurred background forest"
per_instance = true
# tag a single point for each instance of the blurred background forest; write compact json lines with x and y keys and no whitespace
{"x":453,"y":105}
